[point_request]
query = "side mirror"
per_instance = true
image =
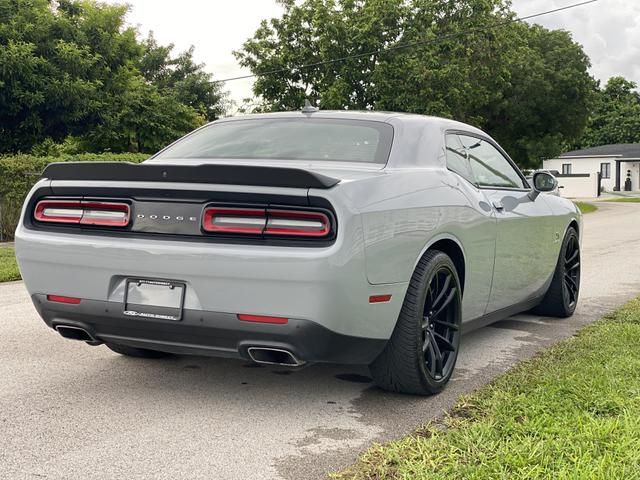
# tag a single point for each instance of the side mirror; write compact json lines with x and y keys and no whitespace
{"x":542,"y":182}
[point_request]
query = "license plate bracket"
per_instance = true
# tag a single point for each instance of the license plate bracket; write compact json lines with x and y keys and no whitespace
{"x":157,"y":299}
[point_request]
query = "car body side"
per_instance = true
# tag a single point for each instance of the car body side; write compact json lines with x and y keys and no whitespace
{"x":433,"y":206}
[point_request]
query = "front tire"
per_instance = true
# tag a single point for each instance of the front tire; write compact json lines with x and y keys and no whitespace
{"x":135,"y":352}
{"x":422,"y":351}
{"x":562,"y":297}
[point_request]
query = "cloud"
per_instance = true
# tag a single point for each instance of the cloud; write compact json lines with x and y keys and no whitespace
{"x":215,"y":28}
{"x":609,"y":31}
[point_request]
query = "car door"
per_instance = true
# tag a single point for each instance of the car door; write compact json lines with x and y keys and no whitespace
{"x":524,"y":226}
{"x":475,"y":223}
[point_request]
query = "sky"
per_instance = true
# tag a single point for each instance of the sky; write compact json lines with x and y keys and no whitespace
{"x":609,"y":31}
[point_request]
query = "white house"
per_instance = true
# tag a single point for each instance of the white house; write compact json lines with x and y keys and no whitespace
{"x":618,"y":166}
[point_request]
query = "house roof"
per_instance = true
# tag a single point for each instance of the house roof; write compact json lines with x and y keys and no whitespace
{"x":618,"y":150}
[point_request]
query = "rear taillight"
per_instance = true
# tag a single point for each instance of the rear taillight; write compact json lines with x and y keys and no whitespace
{"x":83,"y":212}
{"x":261,"y":221}
{"x":59,"y":211}
{"x":234,"y":220}
{"x":297,"y":223}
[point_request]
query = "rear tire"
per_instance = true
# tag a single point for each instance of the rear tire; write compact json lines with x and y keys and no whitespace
{"x":422,"y":351}
{"x":136,"y":352}
{"x":562,"y":297}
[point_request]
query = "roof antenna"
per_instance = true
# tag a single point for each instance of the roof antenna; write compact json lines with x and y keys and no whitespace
{"x":308,"y":108}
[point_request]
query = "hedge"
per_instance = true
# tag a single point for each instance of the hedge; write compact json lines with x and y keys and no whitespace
{"x":19,"y":173}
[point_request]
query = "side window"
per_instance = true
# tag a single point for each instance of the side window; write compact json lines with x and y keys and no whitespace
{"x":457,"y":158}
{"x":490,"y":168}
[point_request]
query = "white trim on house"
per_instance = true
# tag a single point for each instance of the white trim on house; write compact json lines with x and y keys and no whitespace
{"x":590,"y":156}
{"x":614,"y":157}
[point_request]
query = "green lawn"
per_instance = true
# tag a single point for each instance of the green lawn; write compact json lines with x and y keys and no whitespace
{"x":8,"y":266}
{"x":625,"y":200}
{"x":586,"y":207}
{"x":572,"y":412}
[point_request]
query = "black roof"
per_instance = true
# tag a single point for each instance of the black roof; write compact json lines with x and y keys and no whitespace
{"x":622,"y":150}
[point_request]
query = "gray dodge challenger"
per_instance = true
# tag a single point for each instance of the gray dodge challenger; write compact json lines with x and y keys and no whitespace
{"x":365,"y":238}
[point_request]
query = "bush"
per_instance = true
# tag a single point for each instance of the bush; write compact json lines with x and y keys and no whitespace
{"x":19,"y":173}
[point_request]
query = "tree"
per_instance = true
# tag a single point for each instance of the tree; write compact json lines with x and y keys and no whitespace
{"x":615,"y":115}
{"x":184,"y":78}
{"x":317,"y":31}
{"x":546,"y":102}
{"x":525,"y":85}
{"x":141,"y":119}
{"x":50,"y":79}
{"x":72,"y":68}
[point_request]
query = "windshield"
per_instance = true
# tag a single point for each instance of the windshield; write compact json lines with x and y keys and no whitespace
{"x":288,"y":139}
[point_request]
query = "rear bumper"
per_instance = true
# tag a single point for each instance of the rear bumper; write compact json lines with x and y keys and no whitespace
{"x":325,"y":286}
{"x":209,"y":333}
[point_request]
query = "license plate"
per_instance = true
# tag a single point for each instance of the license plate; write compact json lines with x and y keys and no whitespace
{"x":159,"y":299}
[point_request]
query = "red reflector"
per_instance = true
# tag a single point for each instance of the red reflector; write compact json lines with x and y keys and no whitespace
{"x":379,"y":298}
{"x":61,"y":299}
{"x":262,"y":319}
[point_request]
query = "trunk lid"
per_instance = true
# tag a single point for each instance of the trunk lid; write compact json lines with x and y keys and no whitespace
{"x":170,"y":199}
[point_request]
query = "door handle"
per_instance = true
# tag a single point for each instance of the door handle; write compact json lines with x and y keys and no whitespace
{"x":497,"y":204}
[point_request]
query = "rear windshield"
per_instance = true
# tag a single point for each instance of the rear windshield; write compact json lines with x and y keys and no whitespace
{"x":288,"y":139}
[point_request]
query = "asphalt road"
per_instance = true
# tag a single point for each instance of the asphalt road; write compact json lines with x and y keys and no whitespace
{"x":70,"y":411}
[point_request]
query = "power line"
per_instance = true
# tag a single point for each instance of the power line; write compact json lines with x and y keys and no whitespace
{"x":410,"y":44}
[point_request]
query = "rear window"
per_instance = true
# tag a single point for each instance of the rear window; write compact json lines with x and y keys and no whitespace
{"x":288,"y":139}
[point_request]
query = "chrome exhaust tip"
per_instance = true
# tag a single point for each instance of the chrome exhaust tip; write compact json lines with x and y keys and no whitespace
{"x":76,"y":333}
{"x":274,"y":356}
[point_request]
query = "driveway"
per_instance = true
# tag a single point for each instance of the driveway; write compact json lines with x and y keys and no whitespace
{"x":70,"y":411}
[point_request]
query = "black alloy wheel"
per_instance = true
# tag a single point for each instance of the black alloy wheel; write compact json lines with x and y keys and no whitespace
{"x":561,"y":298}
{"x":421,"y":354}
{"x":571,"y":280}
{"x":440,"y":329}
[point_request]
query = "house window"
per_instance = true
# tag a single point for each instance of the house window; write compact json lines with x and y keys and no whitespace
{"x":566,"y":169}
{"x":605,"y":170}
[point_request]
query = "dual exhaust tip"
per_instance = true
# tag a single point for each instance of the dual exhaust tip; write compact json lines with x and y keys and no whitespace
{"x":274,"y":356}
{"x":77,"y":333}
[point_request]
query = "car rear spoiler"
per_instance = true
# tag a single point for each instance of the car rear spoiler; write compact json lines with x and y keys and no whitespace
{"x":221,"y":174}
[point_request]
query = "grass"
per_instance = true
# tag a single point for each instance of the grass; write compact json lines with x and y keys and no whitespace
{"x":572,"y":412}
{"x":625,"y":200}
{"x":8,"y":266}
{"x":586,"y":207}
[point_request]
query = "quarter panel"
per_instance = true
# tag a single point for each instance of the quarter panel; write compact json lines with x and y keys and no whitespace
{"x":429,"y":204}
{"x":564,"y":212}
